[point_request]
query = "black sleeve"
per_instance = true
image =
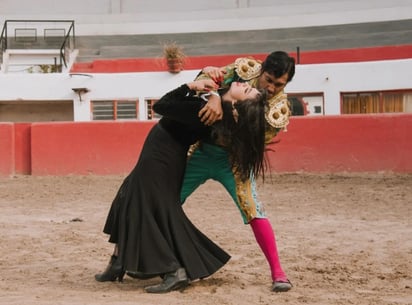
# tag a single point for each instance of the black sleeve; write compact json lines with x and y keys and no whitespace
{"x":180,"y":105}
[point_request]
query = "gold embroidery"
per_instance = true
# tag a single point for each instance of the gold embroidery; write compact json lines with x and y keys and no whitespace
{"x":245,"y":198}
{"x":278,"y":113}
{"x":247,"y":68}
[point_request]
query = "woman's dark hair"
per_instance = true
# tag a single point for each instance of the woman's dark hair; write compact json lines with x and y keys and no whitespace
{"x":245,"y":139}
{"x":278,"y":63}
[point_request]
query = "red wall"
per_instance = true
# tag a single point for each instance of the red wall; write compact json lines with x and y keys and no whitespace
{"x":198,"y":62}
{"x":6,"y":148}
{"x":86,"y":148}
{"x":22,"y":148}
{"x":350,"y":143}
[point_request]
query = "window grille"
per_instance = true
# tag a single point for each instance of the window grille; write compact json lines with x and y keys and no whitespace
{"x":114,"y":110}
{"x":151,"y":115}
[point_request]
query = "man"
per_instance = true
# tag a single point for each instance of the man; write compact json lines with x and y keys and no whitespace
{"x":210,"y":161}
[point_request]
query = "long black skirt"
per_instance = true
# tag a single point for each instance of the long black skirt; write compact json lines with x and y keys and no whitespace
{"x":146,"y":219}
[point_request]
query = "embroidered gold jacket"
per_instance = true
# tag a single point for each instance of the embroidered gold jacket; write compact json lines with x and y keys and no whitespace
{"x":249,"y":69}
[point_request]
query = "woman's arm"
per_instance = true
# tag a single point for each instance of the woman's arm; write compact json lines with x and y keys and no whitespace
{"x":181,"y":105}
{"x":212,"y":111}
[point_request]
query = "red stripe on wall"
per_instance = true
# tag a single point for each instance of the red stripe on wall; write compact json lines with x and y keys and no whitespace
{"x":198,"y":62}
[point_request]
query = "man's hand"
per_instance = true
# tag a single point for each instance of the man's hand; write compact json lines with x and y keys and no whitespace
{"x":203,"y":85}
{"x":215,"y":73}
{"x":212,"y":111}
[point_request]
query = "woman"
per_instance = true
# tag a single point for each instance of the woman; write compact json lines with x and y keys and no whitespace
{"x":151,"y":233}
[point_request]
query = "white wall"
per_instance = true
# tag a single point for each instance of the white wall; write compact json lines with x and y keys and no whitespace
{"x":329,"y":79}
{"x":104,"y":17}
{"x":332,"y":79}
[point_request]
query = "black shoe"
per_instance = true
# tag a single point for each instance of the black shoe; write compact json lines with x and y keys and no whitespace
{"x":142,"y":276}
{"x":281,"y":286}
{"x":171,"y":281}
{"x":113,"y":271}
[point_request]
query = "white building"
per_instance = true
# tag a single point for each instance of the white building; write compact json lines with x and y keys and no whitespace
{"x":326,"y":89}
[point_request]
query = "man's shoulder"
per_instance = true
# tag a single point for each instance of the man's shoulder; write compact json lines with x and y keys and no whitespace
{"x":278,"y":112}
{"x":247,"y":67}
{"x":242,"y":69}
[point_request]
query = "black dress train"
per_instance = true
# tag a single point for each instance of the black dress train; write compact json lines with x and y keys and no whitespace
{"x":146,"y":219}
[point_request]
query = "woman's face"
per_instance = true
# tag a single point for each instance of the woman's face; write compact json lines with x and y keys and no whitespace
{"x":240,"y":91}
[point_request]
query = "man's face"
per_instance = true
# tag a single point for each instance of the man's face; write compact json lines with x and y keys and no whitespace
{"x":272,"y":84}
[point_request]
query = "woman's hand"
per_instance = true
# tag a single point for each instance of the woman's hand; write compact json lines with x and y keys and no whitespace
{"x":212,"y":111}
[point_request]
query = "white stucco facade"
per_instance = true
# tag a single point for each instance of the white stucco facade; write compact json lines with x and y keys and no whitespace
{"x":327,"y":79}
{"x":113,"y":17}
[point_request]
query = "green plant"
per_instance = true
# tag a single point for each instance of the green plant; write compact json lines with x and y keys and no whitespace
{"x":173,"y":51}
{"x":174,"y":56}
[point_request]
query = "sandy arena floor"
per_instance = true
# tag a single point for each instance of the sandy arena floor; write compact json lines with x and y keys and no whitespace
{"x":343,"y":239}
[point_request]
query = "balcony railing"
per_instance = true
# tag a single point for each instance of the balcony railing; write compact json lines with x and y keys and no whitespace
{"x":38,"y":35}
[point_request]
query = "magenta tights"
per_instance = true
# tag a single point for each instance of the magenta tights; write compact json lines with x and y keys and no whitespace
{"x":266,"y":239}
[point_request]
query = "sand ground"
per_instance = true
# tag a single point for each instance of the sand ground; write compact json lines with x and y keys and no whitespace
{"x":342,"y":238}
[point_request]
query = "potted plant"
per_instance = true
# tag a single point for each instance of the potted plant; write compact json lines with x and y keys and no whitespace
{"x":174,"y":56}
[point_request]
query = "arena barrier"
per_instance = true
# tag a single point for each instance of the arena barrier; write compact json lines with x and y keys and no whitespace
{"x":328,"y":144}
{"x":6,"y":148}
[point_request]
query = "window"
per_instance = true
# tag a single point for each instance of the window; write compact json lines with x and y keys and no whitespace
{"x":306,"y":104}
{"x":376,"y":102}
{"x":115,"y":110}
{"x":151,"y":115}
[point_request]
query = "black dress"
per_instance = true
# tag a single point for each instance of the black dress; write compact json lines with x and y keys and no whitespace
{"x":146,"y":220}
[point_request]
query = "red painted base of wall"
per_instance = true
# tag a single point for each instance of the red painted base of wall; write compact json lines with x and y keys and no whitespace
{"x":86,"y":148}
{"x":6,"y":148}
{"x":22,"y":132}
{"x":345,"y":143}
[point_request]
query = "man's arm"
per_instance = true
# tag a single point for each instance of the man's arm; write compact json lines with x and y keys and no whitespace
{"x":215,"y":73}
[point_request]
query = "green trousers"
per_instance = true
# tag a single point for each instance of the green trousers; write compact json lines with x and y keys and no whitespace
{"x":212,"y":162}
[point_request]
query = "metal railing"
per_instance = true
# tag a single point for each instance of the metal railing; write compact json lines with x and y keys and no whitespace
{"x":38,"y":35}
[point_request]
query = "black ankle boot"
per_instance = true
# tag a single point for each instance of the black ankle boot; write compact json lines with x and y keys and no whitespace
{"x":142,"y":276}
{"x":113,"y":271}
{"x":171,"y":281}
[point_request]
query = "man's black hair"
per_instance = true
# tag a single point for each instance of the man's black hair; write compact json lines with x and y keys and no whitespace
{"x":278,"y":63}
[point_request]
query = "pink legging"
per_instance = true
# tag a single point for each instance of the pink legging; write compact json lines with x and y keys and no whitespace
{"x":265,"y":237}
